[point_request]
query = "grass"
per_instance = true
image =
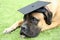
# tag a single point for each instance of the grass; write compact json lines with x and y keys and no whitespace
{"x":9,"y":15}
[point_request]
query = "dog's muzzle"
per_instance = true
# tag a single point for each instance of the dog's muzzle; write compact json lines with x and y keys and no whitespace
{"x":29,"y":30}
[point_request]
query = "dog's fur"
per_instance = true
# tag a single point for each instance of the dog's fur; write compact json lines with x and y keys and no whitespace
{"x":41,"y":19}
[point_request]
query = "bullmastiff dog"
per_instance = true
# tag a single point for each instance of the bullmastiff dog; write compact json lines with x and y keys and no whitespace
{"x":41,"y":19}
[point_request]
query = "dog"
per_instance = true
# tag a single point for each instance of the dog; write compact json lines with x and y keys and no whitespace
{"x":39,"y":20}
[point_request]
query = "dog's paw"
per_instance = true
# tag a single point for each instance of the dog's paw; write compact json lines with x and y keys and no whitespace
{"x":7,"y":30}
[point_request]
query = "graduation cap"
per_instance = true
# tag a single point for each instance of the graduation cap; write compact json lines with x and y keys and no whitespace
{"x":32,"y":7}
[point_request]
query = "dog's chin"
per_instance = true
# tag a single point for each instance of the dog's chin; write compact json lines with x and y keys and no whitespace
{"x":30,"y":34}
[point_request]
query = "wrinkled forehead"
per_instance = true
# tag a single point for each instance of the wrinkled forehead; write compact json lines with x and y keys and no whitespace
{"x":38,"y":15}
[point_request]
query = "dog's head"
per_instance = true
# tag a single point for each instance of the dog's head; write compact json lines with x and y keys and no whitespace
{"x":34,"y":21}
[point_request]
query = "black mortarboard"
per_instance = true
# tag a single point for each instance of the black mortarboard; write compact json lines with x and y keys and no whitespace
{"x":33,"y":6}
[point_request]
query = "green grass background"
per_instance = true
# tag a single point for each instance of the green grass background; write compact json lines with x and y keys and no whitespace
{"x":9,"y":15}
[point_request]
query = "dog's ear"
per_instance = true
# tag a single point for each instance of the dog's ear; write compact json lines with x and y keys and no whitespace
{"x":47,"y":14}
{"x":48,"y":17}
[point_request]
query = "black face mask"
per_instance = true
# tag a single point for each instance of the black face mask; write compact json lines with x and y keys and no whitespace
{"x":31,"y":29}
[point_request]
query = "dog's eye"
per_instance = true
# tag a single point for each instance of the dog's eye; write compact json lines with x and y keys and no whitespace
{"x":34,"y":20}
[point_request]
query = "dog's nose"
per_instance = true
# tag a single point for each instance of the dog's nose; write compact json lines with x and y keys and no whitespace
{"x":23,"y":27}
